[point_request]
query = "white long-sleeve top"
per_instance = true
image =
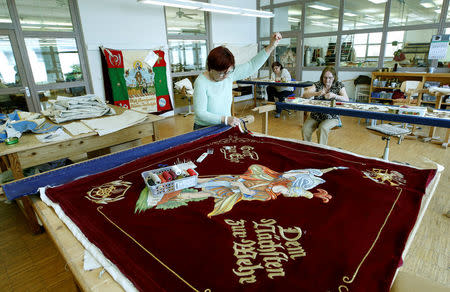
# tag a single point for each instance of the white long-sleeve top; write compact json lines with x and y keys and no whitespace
{"x":284,"y":76}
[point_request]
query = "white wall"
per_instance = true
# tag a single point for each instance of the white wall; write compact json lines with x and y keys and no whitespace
{"x":233,"y":29}
{"x":119,"y":24}
{"x":126,"y":24}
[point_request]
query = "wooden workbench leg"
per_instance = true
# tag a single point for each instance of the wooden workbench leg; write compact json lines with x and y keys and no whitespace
{"x":432,"y":132}
{"x":254,"y":95}
{"x":265,"y":122}
{"x":24,"y":203}
{"x":155,"y":135}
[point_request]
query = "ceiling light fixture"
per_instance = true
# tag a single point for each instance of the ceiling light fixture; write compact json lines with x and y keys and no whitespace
{"x":320,"y":7}
{"x":220,"y":8}
{"x":350,"y":14}
{"x":175,"y":3}
{"x":427,"y":4}
{"x":215,"y":8}
{"x":378,"y":1}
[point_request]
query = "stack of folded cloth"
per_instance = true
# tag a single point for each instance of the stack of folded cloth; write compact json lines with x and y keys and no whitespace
{"x":65,"y":109}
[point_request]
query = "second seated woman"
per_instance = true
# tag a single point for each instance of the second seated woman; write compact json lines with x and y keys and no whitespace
{"x":327,"y":88}
{"x":280,"y":74}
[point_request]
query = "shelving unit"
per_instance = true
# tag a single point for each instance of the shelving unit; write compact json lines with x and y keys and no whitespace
{"x":346,"y":51}
{"x":442,"y":78}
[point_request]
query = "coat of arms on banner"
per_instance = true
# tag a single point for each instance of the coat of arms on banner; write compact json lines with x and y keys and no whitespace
{"x":138,"y":79}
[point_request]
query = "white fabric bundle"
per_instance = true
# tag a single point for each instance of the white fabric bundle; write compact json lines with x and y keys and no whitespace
{"x":186,"y":83}
{"x":65,"y":109}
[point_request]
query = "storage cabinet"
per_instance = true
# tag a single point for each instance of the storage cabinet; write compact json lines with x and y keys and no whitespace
{"x":385,"y":83}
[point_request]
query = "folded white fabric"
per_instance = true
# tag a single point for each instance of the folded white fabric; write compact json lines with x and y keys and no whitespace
{"x":186,"y":83}
{"x":65,"y":109}
{"x":112,"y":124}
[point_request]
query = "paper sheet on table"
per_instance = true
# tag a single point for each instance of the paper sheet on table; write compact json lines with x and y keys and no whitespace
{"x":77,"y":128}
{"x":112,"y":124}
{"x":58,"y":135}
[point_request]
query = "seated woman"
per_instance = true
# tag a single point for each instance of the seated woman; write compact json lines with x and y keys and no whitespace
{"x":213,"y":88}
{"x":281,"y":92}
{"x":328,"y":88}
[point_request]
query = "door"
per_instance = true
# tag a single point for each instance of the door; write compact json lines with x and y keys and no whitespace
{"x":42,"y":54}
{"x":14,"y":88}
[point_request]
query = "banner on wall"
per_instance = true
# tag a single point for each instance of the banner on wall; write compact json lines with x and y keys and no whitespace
{"x":138,"y":79}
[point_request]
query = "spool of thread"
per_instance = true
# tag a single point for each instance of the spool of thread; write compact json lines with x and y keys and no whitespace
{"x":167,"y":175}
{"x":154,"y":178}
{"x":173,"y":174}
{"x":191,"y":172}
{"x":150,"y":181}
{"x":177,"y":170}
{"x":161,"y":177}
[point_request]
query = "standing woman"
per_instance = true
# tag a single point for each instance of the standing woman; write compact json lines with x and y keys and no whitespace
{"x":213,"y":88}
{"x":280,"y":74}
{"x":328,"y":88}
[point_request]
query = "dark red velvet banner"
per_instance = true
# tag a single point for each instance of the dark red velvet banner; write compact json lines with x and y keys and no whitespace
{"x":269,"y":215}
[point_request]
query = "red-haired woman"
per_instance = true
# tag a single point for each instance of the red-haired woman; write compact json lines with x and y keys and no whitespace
{"x":213,"y":88}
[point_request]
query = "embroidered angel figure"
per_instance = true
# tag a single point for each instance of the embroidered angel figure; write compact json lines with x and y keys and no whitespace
{"x":257,"y":183}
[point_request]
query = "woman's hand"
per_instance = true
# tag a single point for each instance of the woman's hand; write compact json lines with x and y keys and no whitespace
{"x":323,"y":92}
{"x":276,"y":37}
{"x":232,"y":121}
{"x":330,"y":95}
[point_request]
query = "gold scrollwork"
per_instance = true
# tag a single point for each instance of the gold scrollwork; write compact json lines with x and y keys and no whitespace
{"x":231,"y":154}
{"x":349,"y":280}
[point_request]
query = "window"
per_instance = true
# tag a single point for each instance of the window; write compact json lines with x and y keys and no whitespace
{"x":408,"y":48}
{"x":53,"y":60}
{"x":414,"y":12}
{"x":187,"y":55}
{"x":264,"y":27}
{"x":4,"y":13}
{"x":51,"y":15}
{"x":9,"y":76}
{"x":360,"y":50}
{"x":182,"y":21}
{"x":187,"y":38}
{"x":287,"y":18}
{"x":322,"y":16}
{"x":363,"y":14}
{"x":286,"y":53}
{"x":320,"y":51}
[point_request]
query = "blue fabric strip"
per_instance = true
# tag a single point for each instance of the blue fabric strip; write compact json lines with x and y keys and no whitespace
{"x":437,"y":122}
{"x":289,"y":84}
{"x":30,"y":185}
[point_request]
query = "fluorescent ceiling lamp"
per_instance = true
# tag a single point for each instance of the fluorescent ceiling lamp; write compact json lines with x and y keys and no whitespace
{"x":320,"y":7}
{"x":350,"y":14}
{"x":317,"y":16}
{"x":427,"y":4}
{"x":378,"y":1}
{"x":316,"y":23}
{"x":220,"y":8}
{"x":257,"y":13}
{"x":216,"y":8}
{"x":173,"y":3}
